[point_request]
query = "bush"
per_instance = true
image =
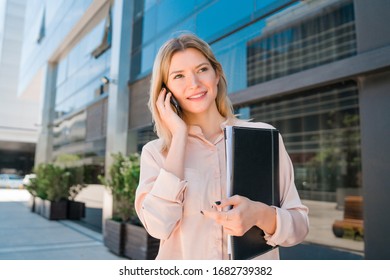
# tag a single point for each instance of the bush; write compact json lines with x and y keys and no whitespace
{"x":75,"y":180}
{"x":55,"y":183}
{"x":123,"y":181}
{"x":32,"y":186}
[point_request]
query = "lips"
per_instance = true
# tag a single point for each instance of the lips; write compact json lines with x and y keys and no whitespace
{"x":197,"y":96}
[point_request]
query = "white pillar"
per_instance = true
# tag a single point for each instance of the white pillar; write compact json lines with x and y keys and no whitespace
{"x":118,"y":97}
{"x":44,"y":147}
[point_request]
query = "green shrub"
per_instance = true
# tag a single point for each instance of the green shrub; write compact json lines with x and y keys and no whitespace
{"x":123,"y":181}
{"x":75,"y":180}
{"x":56,"y":183}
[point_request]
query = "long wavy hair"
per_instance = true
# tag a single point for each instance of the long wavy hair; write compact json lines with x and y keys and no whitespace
{"x":160,"y":76}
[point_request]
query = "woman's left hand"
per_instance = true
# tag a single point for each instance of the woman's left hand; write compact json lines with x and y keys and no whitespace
{"x":244,"y":215}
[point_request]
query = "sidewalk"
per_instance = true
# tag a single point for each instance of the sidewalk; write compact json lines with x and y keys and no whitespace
{"x":27,"y":236}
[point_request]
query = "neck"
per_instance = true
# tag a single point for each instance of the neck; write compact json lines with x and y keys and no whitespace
{"x":209,"y":123}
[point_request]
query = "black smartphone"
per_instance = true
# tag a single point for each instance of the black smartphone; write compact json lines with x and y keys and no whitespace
{"x":174,"y":102}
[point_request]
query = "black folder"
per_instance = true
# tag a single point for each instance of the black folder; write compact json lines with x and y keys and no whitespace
{"x":252,"y":156}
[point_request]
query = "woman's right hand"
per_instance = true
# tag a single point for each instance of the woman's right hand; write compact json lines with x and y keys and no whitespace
{"x":172,"y":121}
{"x":174,"y":162}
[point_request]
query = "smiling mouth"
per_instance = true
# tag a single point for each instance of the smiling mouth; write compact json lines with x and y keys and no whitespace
{"x":196,"y":96}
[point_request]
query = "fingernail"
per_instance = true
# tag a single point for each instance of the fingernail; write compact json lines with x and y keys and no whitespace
{"x":218,"y":202}
{"x":201,"y":212}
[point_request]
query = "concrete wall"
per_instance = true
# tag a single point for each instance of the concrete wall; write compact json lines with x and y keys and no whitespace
{"x":375,"y":130}
{"x":372,"y":22}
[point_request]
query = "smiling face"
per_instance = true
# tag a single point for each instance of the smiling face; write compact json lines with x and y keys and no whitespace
{"x":193,"y":81}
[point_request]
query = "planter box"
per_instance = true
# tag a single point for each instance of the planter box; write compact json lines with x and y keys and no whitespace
{"x":31,"y":203}
{"x":55,"y":210}
{"x":38,"y":205}
{"x":114,"y":236}
{"x":76,"y":210}
{"x":139,"y":245}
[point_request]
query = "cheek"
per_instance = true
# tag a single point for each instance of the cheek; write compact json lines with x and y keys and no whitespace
{"x":215,"y":85}
{"x":177,"y":89}
{"x":211,"y":81}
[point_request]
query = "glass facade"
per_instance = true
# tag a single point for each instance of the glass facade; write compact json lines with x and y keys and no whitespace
{"x":80,"y":139}
{"x":145,"y":135}
{"x":79,"y":73}
{"x":80,"y":125}
{"x":251,"y":45}
{"x":321,"y":131}
{"x":266,"y":40}
{"x":322,"y":135}
{"x":59,"y":18}
{"x":314,"y":41}
{"x":156,"y":21}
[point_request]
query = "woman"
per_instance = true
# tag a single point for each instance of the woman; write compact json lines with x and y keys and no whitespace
{"x":181,"y":194}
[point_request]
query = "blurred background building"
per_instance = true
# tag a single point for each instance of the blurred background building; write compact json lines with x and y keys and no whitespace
{"x":318,"y":70}
{"x":18,"y":117}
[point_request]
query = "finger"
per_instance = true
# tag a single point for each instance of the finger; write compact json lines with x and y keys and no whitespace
{"x":228,"y":202}
{"x":160,"y":101}
{"x":161,"y":95}
{"x":228,"y":230}
{"x":232,"y":231}
{"x":217,"y":216}
{"x":167,"y":99}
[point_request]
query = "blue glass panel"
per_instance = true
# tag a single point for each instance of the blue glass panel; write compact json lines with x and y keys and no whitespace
{"x":149,"y":24}
{"x":148,"y":54}
{"x":231,"y":53}
{"x":222,"y":15}
{"x":61,"y":71}
{"x":261,"y":4}
{"x":78,"y":100}
{"x":189,"y":25}
{"x":51,"y":9}
{"x":79,"y":73}
{"x":200,"y":3}
{"x":171,"y":12}
{"x":61,"y":93}
{"x":149,"y":4}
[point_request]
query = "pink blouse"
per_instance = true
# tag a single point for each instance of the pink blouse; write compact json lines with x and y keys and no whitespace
{"x":169,"y":208}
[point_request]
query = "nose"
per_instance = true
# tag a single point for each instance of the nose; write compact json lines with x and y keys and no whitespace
{"x":192,"y":81}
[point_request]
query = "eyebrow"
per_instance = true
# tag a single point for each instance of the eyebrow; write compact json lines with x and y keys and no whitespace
{"x":180,"y":71}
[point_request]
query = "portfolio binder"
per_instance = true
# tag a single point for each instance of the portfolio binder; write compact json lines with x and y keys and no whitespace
{"x":252,"y":156}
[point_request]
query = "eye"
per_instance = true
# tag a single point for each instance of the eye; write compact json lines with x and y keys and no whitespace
{"x":178,"y":76}
{"x":203,"y":69}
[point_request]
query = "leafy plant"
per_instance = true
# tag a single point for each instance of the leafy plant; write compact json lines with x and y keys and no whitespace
{"x":53,"y":179}
{"x":66,"y":160}
{"x":75,"y":180}
{"x":55,"y":183}
{"x":32,"y":186}
{"x":123,"y":181}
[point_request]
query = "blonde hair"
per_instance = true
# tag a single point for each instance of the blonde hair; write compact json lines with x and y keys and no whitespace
{"x":160,"y":76}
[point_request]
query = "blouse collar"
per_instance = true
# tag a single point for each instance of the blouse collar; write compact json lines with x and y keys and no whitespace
{"x":196,"y":131}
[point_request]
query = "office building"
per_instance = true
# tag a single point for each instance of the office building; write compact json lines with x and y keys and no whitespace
{"x":18,"y":116}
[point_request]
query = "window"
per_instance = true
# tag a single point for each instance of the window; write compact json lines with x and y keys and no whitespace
{"x":42,"y":28}
{"x":327,"y":37}
{"x":106,"y":40}
{"x":321,"y":131}
{"x":145,"y":135}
